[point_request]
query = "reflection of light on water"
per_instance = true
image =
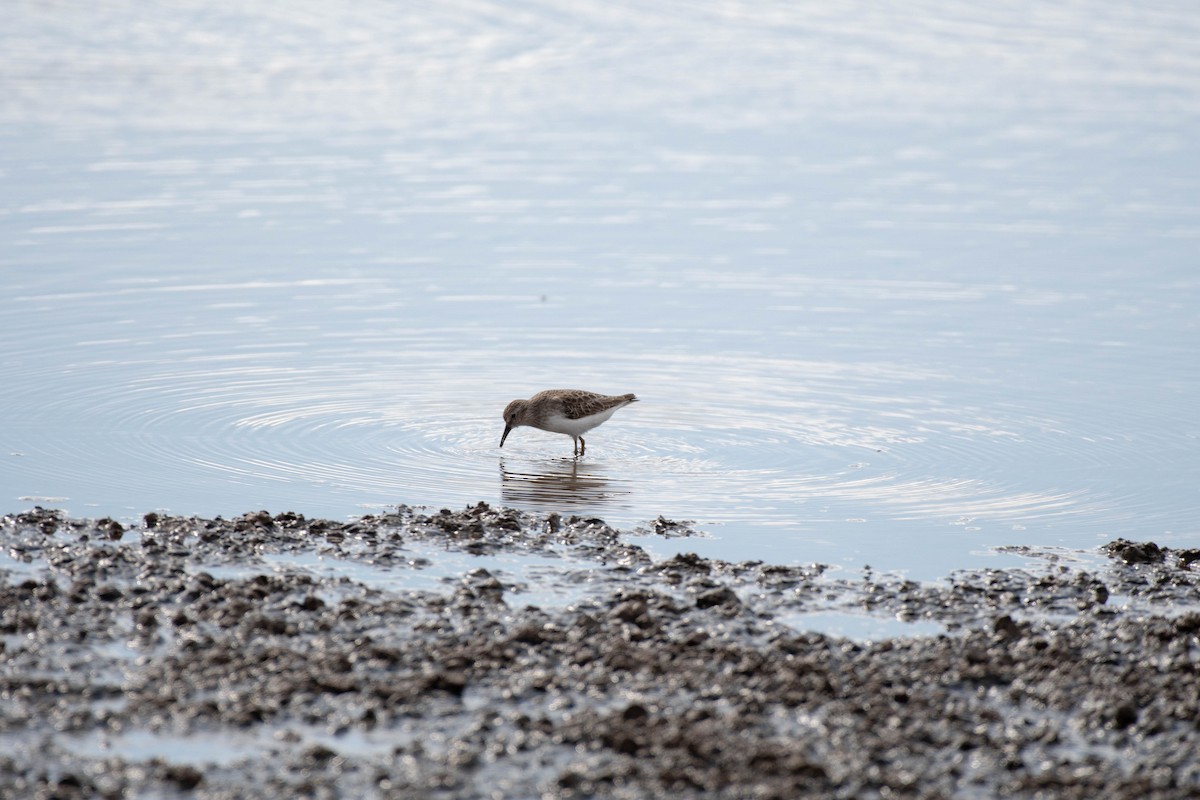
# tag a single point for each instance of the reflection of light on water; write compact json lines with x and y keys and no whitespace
{"x":760,"y":443}
{"x":562,"y":483}
{"x":859,"y":627}
{"x":211,"y":323}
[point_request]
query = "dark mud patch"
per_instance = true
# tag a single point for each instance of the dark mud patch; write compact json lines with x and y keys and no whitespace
{"x":281,"y":656}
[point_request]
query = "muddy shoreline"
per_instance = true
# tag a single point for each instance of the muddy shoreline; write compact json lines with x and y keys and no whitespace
{"x":284,"y":656}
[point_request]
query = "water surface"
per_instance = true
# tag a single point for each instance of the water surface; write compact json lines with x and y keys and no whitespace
{"x":893,"y":287}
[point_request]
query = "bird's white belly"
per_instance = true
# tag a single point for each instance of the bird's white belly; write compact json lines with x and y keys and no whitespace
{"x":576,"y":427}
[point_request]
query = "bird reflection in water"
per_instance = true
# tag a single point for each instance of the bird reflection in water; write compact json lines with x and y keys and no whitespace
{"x":561,"y":483}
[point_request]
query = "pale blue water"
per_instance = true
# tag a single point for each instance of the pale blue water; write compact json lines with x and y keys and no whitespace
{"x":894,"y":287}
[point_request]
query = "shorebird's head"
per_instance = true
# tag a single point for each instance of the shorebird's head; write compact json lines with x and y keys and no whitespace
{"x":514,"y":416}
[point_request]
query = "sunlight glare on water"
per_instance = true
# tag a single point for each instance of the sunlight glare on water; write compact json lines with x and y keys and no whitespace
{"x":891,"y":287}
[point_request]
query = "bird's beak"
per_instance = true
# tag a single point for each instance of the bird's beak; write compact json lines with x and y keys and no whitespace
{"x":507,"y":429}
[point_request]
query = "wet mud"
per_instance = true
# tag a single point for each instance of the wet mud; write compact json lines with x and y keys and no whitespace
{"x":283,"y":656}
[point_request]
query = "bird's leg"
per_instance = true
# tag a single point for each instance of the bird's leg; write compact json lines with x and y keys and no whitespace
{"x":582,"y":446}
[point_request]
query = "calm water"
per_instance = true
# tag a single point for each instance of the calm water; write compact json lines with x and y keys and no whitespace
{"x":894,"y":287}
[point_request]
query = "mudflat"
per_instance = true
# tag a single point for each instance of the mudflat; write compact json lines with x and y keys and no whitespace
{"x":491,"y":653}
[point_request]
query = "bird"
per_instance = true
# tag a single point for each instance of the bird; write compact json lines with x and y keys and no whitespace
{"x":573,"y":412}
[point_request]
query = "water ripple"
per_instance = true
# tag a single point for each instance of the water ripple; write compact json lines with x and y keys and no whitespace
{"x":817,"y":433}
{"x":406,"y":414}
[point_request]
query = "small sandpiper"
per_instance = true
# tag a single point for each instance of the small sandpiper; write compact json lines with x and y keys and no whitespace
{"x":570,"y":411}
